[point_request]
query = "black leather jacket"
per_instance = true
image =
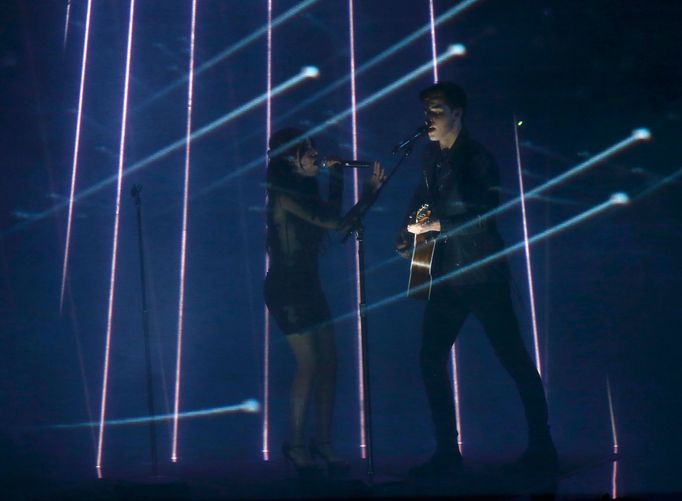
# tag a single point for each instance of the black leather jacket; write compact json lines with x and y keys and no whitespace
{"x":461,"y":186}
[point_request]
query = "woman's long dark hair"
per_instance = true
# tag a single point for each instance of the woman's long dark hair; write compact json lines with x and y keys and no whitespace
{"x":281,"y":179}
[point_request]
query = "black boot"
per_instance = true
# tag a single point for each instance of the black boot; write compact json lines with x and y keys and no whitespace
{"x":541,"y":456}
{"x":444,"y":464}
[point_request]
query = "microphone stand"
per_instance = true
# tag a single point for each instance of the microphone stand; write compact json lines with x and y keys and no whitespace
{"x":352,"y":223}
{"x":145,"y":325}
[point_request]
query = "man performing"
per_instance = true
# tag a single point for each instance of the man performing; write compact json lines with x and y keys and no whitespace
{"x":460,"y":184}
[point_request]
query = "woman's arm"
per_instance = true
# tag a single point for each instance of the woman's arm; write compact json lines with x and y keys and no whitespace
{"x":325,"y":216}
{"x":335,"y":189}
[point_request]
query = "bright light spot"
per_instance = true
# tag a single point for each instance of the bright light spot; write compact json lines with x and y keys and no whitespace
{"x":519,"y":123}
{"x":620,"y":198}
{"x":251,"y":406}
{"x":642,"y":134}
{"x":310,"y":71}
{"x":457,"y":49}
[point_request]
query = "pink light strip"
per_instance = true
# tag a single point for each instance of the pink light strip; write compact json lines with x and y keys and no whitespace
{"x":356,"y":197}
{"x":455,"y":387}
{"x":114,"y":253}
{"x":183,"y":244}
{"x":266,"y":315}
{"x":453,"y":351}
{"x":76,"y":149}
{"x":614,"y":435}
{"x":612,"y":414}
{"x":433,"y":41}
{"x":529,"y":269}
{"x":68,"y":18}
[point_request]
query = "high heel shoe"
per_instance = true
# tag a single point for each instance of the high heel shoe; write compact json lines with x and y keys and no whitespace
{"x":299,"y":457}
{"x":323,"y":450}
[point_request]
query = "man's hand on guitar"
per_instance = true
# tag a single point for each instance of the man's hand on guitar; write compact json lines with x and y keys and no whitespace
{"x":419,"y":228}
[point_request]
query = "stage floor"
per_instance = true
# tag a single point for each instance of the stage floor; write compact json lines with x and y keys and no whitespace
{"x":579,"y":478}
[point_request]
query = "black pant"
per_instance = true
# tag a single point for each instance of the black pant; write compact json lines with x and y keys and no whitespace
{"x":445,"y":314}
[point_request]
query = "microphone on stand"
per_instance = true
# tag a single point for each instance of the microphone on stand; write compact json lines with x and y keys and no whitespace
{"x":326,"y":163}
{"x":415,"y":135}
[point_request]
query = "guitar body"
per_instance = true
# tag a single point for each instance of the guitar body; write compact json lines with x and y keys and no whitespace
{"x":419,"y":283}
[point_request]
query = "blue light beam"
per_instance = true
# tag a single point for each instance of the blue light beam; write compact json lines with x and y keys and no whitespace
{"x":306,"y":73}
{"x":250,"y":406}
{"x":617,"y":199}
{"x":453,"y":51}
{"x":244,"y":42}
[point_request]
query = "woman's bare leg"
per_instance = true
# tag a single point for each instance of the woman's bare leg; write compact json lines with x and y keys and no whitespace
{"x":325,"y":382}
{"x":303,"y":347}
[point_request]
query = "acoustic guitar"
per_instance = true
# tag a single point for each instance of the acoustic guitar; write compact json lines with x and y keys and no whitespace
{"x":419,"y":284}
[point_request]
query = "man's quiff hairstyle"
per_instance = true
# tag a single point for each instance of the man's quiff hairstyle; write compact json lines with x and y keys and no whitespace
{"x":453,"y":95}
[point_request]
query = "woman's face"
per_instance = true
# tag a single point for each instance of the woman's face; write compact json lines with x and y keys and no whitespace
{"x":306,"y":164}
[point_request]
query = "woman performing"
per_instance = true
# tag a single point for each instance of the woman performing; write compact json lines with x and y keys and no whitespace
{"x":297,"y":221}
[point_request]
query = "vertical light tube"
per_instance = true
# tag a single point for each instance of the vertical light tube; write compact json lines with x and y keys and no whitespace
{"x":76,"y":149}
{"x":68,"y":19}
{"x":453,"y":351}
{"x":114,"y":252}
{"x":183,"y":237}
{"x":529,"y":268}
{"x":266,"y":315}
{"x":614,"y":435}
{"x":356,"y":197}
{"x":434,"y":52}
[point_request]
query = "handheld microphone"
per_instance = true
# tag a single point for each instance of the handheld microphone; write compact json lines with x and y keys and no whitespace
{"x":349,"y":164}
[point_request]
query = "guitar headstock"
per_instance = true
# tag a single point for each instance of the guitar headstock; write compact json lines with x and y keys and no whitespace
{"x":423,"y":214}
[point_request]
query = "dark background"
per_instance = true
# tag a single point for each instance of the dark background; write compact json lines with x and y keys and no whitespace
{"x":581,"y":74}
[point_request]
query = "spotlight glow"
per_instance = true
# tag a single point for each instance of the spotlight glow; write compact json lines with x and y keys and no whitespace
{"x":620,"y":198}
{"x":457,"y":49}
{"x":310,"y":71}
{"x":114,"y":253}
{"x":183,"y":237}
{"x":529,"y":268}
{"x":76,"y":150}
{"x":641,"y":134}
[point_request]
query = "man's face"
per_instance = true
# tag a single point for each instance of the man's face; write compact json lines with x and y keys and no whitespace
{"x":444,"y":120}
